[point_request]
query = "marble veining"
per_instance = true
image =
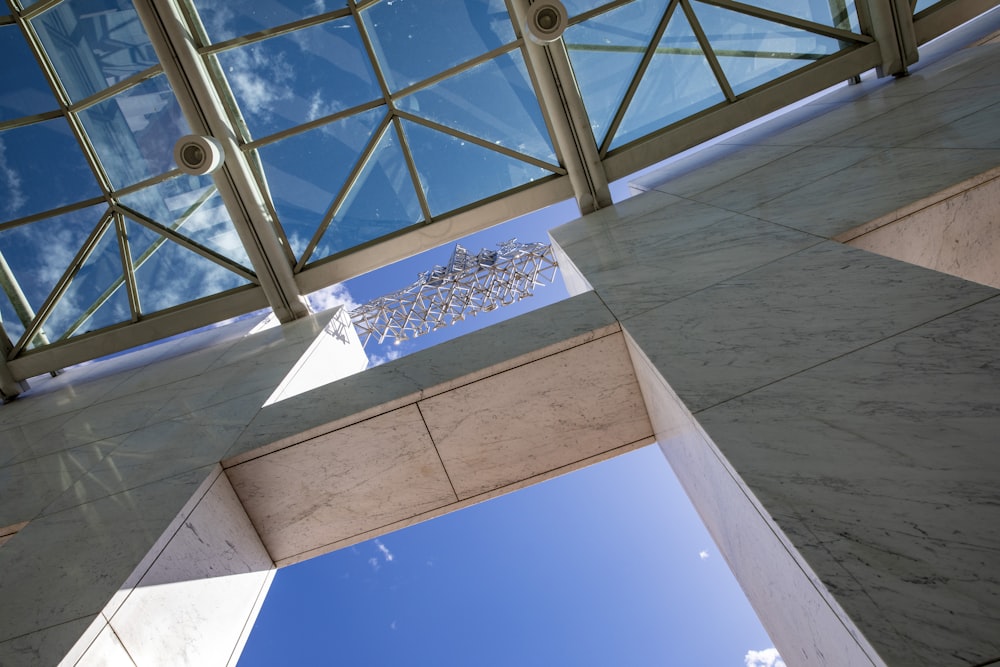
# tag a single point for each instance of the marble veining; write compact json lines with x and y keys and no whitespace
{"x":884,"y":460}
{"x":537,"y":418}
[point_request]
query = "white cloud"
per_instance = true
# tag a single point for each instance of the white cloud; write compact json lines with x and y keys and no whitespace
{"x":703,"y":554}
{"x":767,"y":658}
{"x":14,"y":197}
{"x":385,"y":551}
{"x":379,"y":359}
{"x":328,"y":297}
{"x":259,"y":79}
{"x":374,"y":563}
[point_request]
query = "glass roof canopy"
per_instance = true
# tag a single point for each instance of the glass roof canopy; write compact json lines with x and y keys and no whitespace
{"x":355,"y":134}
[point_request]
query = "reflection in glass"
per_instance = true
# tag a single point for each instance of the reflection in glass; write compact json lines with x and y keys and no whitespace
{"x":605,"y":52}
{"x":167,"y":274}
{"x":224,"y":19}
{"x":96,"y":298}
{"x":306,"y":171}
{"x":381,"y":201}
{"x":134,"y":132}
{"x":192,"y":207}
{"x":30,"y":185}
{"x":455,"y":172}
{"x":37,"y":255}
{"x":93,"y":44}
{"x":753,"y":51}
{"x":924,"y":4}
{"x":416,"y":40}
{"x":834,"y":13}
{"x":577,"y":7}
{"x":299,"y":77}
{"x":23,"y":89}
{"x":493,"y":101}
{"x":677,"y":83}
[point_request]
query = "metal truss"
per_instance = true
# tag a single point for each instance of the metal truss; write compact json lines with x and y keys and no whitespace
{"x":470,"y":284}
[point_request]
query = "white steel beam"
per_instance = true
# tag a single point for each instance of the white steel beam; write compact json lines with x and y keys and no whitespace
{"x":563,"y":107}
{"x":10,"y":387}
{"x":198,"y":98}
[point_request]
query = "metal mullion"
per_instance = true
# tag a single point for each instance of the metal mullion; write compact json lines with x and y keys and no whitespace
{"x":115,"y":88}
{"x":457,"y":69}
{"x":791,"y":21}
{"x":597,"y":11}
{"x":7,"y":20}
{"x":267,"y":33}
{"x":311,"y":125}
{"x":36,"y":9}
{"x":342,"y":195}
{"x":29,"y":120}
{"x":412,"y":166}
{"x":82,"y":255}
{"x":170,"y":233}
{"x":481,"y":142}
{"x":28,"y":219}
{"x":128,"y":270}
{"x":633,"y":86}
{"x":152,"y":180}
{"x":713,"y":61}
{"x":366,"y":40}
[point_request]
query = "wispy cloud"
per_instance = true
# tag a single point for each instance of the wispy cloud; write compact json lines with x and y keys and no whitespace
{"x":703,"y":554}
{"x":259,"y":79}
{"x":329,"y":297}
{"x":379,"y":359}
{"x":767,"y":658}
{"x":14,"y":197}
{"x":386,"y":554}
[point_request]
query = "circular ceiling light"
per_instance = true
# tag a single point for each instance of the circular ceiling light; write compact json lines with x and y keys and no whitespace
{"x":546,"y":21}
{"x":198,"y":155}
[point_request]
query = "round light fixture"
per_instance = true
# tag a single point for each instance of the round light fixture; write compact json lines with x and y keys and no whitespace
{"x":198,"y":155}
{"x":546,"y":20}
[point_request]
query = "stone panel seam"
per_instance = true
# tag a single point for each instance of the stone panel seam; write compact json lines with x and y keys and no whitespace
{"x":430,"y":436}
{"x":845,"y":354}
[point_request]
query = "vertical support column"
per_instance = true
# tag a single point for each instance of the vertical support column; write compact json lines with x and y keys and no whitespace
{"x":564,"y":109}
{"x":196,"y":95}
{"x":10,"y":387}
{"x":890,"y":22}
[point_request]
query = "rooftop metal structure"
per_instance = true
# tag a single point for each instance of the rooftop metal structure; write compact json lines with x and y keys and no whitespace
{"x":469,"y":285}
{"x":354,"y":134}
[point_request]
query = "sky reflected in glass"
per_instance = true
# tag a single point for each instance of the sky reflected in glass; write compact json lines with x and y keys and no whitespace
{"x":23,"y":88}
{"x":224,"y":19}
{"x":292,"y":79}
{"x":415,"y":40}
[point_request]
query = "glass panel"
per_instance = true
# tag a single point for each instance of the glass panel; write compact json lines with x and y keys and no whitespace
{"x":23,"y":89}
{"x":134,"y":132}
{"x":382,"y":201}
{"x":38,"y":255}
{"x":30,"y":185}
{"x":606,"y":52}
{"x":168,"y":274}
{"x":96,"y":298}
{"x":577,"y":7}
{"x":306,"y":171}
{"x":454,"y":172}
{"x":224,"y":19}
{"x":753,"y":51}
{"x":678,"y":83}
{"x":924,"y":4}
{"x":834,"y":13}
{"x":292,"y":79}
{"x":494,"y":101}
{"x":415,"y":40}
{"x":93,"y":44}
{"x":191,"y":206}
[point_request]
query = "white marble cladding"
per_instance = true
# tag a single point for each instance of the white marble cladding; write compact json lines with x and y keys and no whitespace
{"x":100,"y":461}
{"x":955,"y":232}
{"x":855,"y":398}
{"x":194,"y":598}
{"x":454,"y":445}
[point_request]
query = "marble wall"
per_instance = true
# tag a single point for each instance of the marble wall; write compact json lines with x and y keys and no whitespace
{"x":845,"y":404}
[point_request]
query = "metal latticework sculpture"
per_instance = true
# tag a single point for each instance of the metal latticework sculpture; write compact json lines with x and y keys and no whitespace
{"x":470,"y":284}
